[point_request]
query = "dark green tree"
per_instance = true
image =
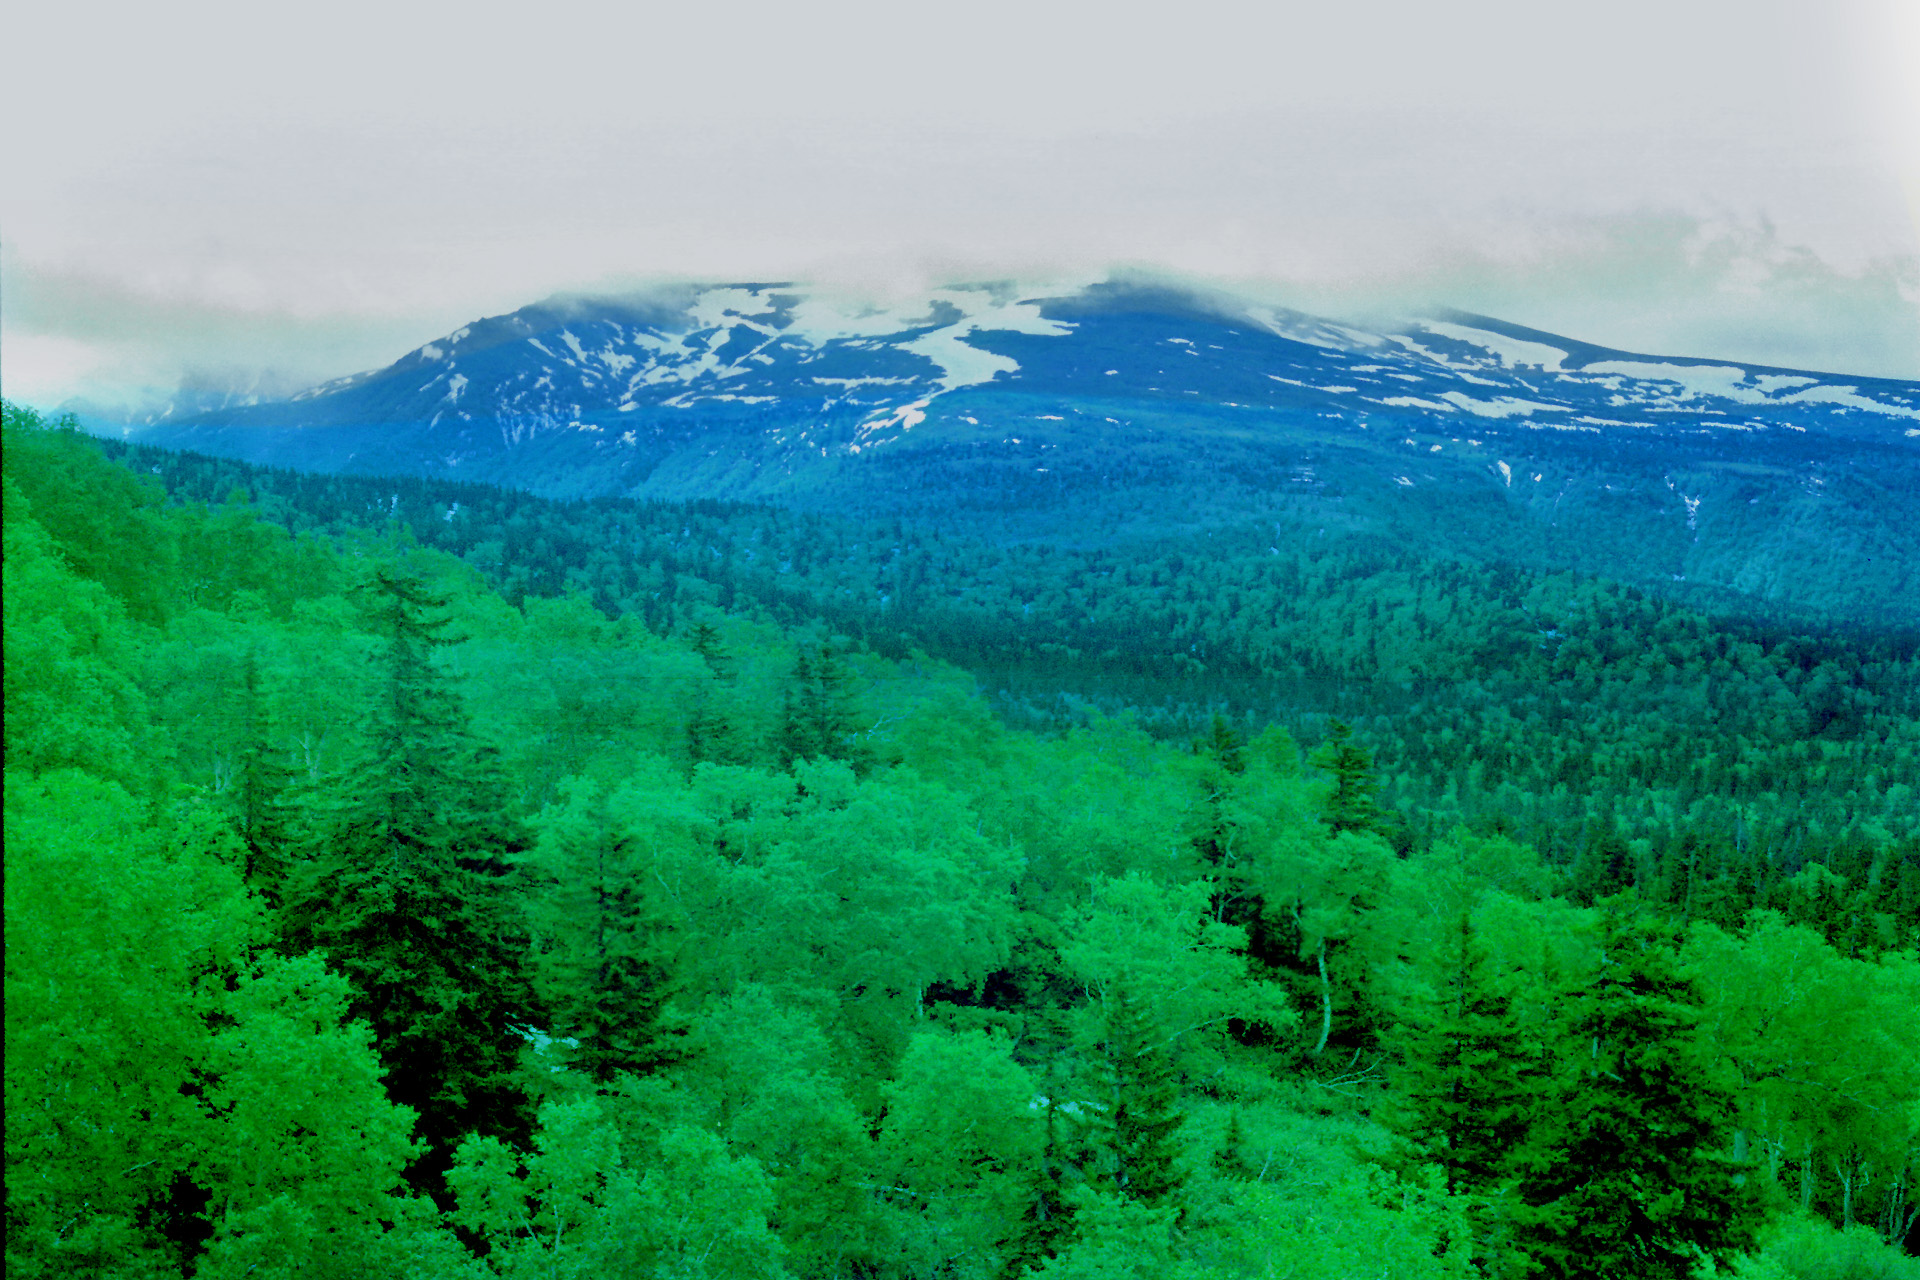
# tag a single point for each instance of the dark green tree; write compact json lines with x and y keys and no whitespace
{"x":1351,"y":806}
{"x":259,"y":792}
{"x":405,"y":893}
{"x":602,"y":967}
{"x":816,"y":715}
{"x":1464,"y":1091}
{"x":711,"y":735}
{"x":1136,"y":1149}
{"x":1627,"y":1171}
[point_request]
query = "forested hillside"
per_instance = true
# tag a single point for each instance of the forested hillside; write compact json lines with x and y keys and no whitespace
{"x":424,"y":880}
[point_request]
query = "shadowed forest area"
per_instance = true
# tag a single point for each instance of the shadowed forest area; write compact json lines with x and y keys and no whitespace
{"x":424,"y":880}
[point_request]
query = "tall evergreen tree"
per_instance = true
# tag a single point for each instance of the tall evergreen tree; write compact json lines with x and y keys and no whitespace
{"x":1461,"y":1095}
{"x":816,"y":716}
{"x":1351,"y":807}
{"x":259,"y":792}
{"x":602,"y":966}
{"x":405,"y":893}
{"x":1626,"y":1173}
{"x":711,"y":735}
{"x":1142,"y":1099}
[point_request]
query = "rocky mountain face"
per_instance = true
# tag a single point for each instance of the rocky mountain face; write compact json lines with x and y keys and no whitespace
{"x":1122,"y":414}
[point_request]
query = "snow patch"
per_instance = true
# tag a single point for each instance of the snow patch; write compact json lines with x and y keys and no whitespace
{"x":1504,"y":407}
{"x":1514,"y":353}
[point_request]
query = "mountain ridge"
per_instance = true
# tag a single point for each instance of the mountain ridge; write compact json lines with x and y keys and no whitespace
{"x":1124,"y":411}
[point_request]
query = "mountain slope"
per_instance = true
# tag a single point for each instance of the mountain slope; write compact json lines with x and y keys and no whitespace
{"x":1123,"y":413}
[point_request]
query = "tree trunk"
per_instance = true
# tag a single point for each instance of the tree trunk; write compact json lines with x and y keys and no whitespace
{"x":1326,"y":1001}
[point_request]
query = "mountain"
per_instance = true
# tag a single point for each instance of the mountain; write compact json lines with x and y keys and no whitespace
{"x":1126,"y":412}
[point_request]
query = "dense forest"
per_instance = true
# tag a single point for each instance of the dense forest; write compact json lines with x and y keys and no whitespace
{"x":424,"y":880}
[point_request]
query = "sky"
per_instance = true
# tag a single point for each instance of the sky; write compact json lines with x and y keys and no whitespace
{"x":238,"y":194}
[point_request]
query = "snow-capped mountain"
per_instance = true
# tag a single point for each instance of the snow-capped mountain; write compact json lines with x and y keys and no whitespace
{"x":1459,"y":429}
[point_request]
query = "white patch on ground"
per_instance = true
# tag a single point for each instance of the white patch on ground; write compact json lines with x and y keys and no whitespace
{"x":1728,"y":382}
{"x":432,"y":352}
{"x":542,"y":348}
{"x":455,"y":385}
{"x":1504,"y":407}
{"x":1514,"y":353}
{"x":722,"y":308}
{"x":1851,"y":398}
{"x":1403,"y":480}
{"x":1506,"y":473}
{"x":1413,"y":402}
{"x":579,"y":352}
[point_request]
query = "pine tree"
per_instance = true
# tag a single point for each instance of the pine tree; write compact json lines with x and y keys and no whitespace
{"x":816,"y":717}
{"x":405,"y":894}
{"x":1351,"y":807}
{"x":259,"y":793}
{"x":1625,"y":1173}
{"x":602,"y":964}
{"x":1143,"y":1107}
{"x":1462,"y":1095}
{"x":710,"y":732}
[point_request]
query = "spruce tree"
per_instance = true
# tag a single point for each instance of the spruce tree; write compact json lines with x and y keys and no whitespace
{"x":405,"y":893}
{"x":259,"y":792}
{"x":1142,"y":1097}
{"x":1351,"y":807}
{"x":710,"y":731}
{"x":1468,"y":1085}
{"x":1626,"y":1172}
{"x":816,"y":717}
{"x":602,"y":963}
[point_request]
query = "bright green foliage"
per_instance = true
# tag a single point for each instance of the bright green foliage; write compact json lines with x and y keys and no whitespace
{"x":71,"y":700}
{"x":773,"y":1081}
{"x":104,"y":519}
{"x":164,"y":1089}
{"x":117,"y":942}
{"x":1626,"y":1171}
{"x":960,"y":1135}
{"x":1319,"y":915}
{"x":1364,"y":1224}
{"x":1118,"y":1237}
{"x":1800,"y":1247}
{"x":1828,"y":1052}
{"x":1183,"y":974}
{"x":575,"y":1207}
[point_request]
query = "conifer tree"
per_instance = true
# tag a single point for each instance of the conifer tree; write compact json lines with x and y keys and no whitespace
{"x":1351,"y":807}
{"x":1142,"y":1097}
{"x":711,"y":735}
{"x":1462,"y":1096}
{"x":259,"y":792}
{"x":404,"y":893}
{"x":816,"y":717}
{"x":1626,"y":1173}
{"x":602,"y":966}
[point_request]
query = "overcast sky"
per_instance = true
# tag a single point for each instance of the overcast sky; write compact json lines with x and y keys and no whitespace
{"x":213,"y":190}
